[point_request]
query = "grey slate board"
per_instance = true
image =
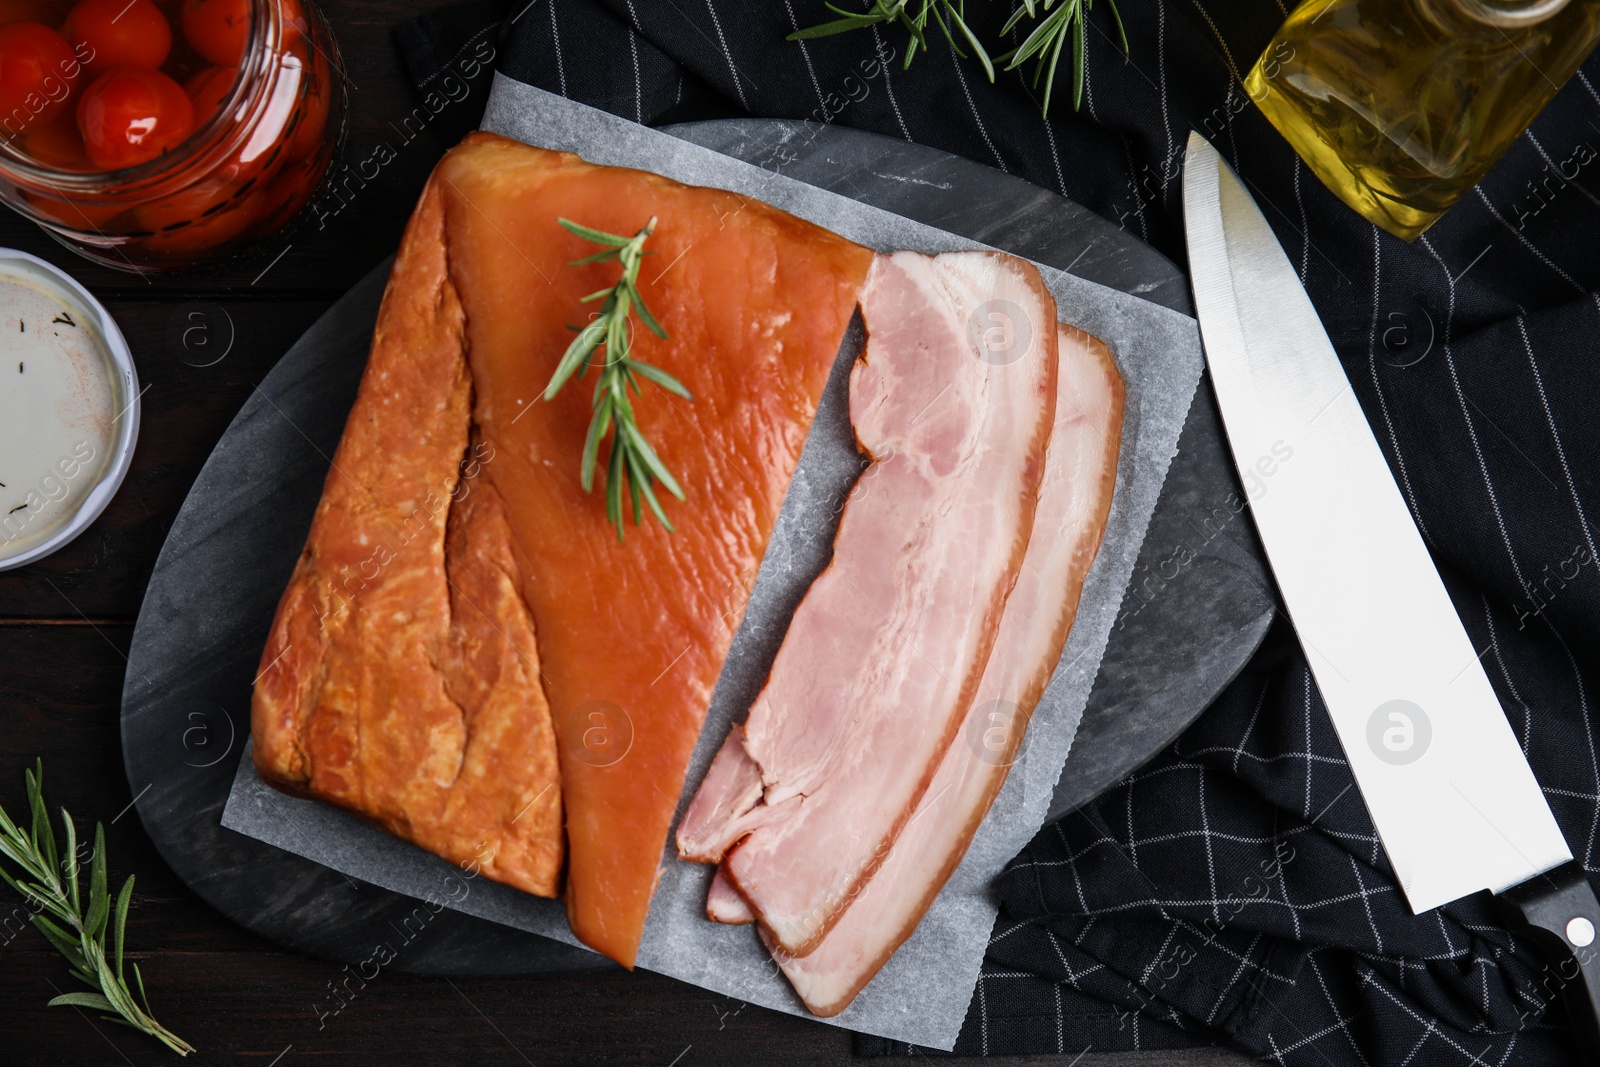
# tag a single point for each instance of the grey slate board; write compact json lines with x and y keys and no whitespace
{"x":195,"y":649}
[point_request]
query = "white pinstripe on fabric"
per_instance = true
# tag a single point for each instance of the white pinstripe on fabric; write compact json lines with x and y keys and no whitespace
{"x":1584,"y":79}
{"x":1511,"y":686}
{"x":555,"y":37}
{"x":1305,"y":223}
{"x":805,"y":54}
{"x":738,"y":86}
{"x":880,"y":48}
{"x":1555,"y":439}
{"x":966,"y":90}
{"x":1531,"y":247}
{"x":1587,"y":859}
{"x":1377,"y":387}
{"x":638,"y":76}
{"x":1307,"y":754}
{"x":1537,"y":147}
{"x":1466,"y":415}
{"x":1227,"y":53}
{"x":1161,"y":82}
{"x":1133,"y":174}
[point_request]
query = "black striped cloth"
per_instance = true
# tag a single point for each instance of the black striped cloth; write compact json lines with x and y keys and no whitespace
{"x":1232,"y":891}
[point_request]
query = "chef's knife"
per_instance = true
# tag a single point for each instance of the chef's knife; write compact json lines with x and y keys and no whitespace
{"x":1448,"y":788}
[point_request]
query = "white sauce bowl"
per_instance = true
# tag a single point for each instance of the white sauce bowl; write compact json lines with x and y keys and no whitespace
{"x":107,"y":339}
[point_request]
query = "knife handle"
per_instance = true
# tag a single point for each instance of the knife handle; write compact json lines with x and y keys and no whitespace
{"x":1559,"y":911}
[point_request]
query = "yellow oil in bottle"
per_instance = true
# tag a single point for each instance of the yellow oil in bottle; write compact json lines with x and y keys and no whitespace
{"x":1401,"y":106}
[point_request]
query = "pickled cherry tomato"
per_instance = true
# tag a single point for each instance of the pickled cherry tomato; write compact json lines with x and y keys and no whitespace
{"x":218,"y":29}
{"x":37,"y":70}
{"x":206,"y":234}
{"x":120,"y":33}
{"x":57,"y":144}
{"x":132,"y":115}
{"x":312,"y":130}
{"x":209,"y":91}
{"x":75,"y":215}
{"x":186,"y":206}
{"x":27,"y":11}
{"x":295,"y":27}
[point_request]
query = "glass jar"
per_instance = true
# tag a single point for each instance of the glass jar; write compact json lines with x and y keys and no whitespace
{"x":262,"y":131}
{"x":1401,"y":106}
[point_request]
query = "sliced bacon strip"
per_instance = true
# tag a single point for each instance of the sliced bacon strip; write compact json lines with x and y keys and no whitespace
{"x":1074,"y":501}
{"x":720,"y":811}
{"x":885,"y":652}
{"x":725,"y":905}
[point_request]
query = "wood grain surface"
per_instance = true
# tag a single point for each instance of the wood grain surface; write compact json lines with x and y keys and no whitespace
{"x":202,"y":341}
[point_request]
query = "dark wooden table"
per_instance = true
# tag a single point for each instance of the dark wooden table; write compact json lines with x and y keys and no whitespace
{"x":65,"y":624}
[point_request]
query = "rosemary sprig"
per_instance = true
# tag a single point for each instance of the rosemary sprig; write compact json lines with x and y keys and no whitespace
{"x":49,"y":880}
{"x":632,"y":460}
{"x":1058,"y":22}
{"x":944,"y":14}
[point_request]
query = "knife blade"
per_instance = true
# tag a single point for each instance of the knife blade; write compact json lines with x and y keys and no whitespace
{"x":1449,"y":790}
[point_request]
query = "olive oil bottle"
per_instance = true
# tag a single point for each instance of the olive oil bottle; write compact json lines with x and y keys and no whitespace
{"x":1401,"y":106}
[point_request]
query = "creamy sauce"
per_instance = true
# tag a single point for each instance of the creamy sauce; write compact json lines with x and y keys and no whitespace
{"x":60,"y":400}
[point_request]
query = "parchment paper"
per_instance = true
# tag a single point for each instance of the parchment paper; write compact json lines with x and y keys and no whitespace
{"x":921,"y":995}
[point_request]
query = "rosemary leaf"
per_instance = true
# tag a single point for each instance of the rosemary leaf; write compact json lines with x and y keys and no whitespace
{"x":599,"y":237}
{"x":99,"y":900}
{"x":972,"y":39}
{"x":659,"y":377}
{"x":828,"y":29}
{"x":1055,"y":57}
{"x":576,"y":356}
{"x":72,"y":863}
{"x":81,"y":1000}
{"x":938,"y":12}
{"x":1026,"y":10}
{"x":1122,"y":31}
{"x":1080,"y":59}
{"x":614,"y":490}
{"x":138,"y":977}
{"x":44,"y":838}
{"x":635,"y":476}
{"x":645,"y":454}
{"x":62,"y":941}
{"x":645,"y":316}
{"x":124,"y":898}
{"x":598,"y":426}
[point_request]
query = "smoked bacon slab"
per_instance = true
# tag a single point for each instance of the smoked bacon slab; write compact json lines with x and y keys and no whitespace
{"x":626,"y":640}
